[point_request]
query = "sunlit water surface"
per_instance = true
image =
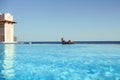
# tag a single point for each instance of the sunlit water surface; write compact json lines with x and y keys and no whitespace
{"x":59,"y":62}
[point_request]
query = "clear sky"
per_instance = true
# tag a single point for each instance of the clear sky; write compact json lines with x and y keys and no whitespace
{"x":49,"y":20}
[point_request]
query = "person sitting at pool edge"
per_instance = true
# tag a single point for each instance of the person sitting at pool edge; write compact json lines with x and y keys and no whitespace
{"x":66,"y":42}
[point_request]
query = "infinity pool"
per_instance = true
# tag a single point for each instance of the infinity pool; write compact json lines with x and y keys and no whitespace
{"x":59,"y":62}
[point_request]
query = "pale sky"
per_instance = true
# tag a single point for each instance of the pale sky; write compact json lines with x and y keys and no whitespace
{"x":78,"y":20}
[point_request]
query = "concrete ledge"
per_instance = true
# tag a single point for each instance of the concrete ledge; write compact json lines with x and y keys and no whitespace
{"x":9,"y":42}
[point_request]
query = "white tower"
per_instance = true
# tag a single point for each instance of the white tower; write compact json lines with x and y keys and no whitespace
{"x":6,"y":28}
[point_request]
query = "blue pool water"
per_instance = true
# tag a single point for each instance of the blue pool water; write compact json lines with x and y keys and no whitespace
{"x":59,"y":62}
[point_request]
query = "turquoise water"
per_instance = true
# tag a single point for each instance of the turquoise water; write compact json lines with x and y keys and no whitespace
{"x":59,"y":62}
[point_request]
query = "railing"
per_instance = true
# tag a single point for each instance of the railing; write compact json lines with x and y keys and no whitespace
{"x":15,"y":38}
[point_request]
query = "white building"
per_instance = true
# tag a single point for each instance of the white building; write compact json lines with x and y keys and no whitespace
{"x":6,"y":28}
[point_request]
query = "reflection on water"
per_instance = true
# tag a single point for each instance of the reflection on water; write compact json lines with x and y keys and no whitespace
{"x":6,"y":61}
{"x":59,"y":62}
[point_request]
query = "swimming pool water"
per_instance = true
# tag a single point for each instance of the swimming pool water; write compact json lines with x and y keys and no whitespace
{"x":59,"y":62}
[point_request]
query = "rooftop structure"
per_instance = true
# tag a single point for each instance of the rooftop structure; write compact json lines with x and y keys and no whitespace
{"x":6,"y":28}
